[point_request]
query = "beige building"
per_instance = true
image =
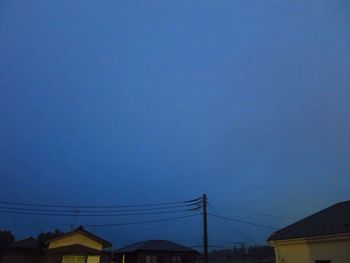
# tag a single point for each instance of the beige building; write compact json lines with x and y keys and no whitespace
{"x":323,"y":237}
{"x":77,"y":246}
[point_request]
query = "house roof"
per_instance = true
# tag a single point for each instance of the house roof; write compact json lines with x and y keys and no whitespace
{"x":27,"y":243}
{"x":155,"y":245}
{"x":81,"y":230}
{"x":332,"y":220}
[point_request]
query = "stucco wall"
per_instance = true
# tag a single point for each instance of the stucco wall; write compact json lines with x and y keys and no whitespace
{"x":306,"y":251}
{"x":76,"y":239}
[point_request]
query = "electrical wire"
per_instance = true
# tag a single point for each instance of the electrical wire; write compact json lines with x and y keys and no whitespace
{"x":101,"y":211}
{"x":212,"y":246}
{"x":243,"y":212}
{"x":235,"y":229}
{"x":144,"y":222}
{"x":101,"y":206}
{"x":91,"y":215}
{"x":242,"y":221}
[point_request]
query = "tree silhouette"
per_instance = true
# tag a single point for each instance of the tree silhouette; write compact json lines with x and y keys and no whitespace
{"x":6,"y":237}
{"x":45,"y":236}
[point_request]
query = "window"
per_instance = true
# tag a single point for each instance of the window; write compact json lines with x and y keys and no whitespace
{"x":74,"y":259}
{"x":151,"y":259}
{"x":176,"y":259}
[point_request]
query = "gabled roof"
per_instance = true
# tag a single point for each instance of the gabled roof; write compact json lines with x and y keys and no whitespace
{"x":155,"y":245}
{"x":27,"y":243}
{"x":81,"y":230}
{"x":332,"y":220}
{"x":75,"y":249}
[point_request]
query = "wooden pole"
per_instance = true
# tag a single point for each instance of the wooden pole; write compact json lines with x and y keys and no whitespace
{"x":205,"y":238}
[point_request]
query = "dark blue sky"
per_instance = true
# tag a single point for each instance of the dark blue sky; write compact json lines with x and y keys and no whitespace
{"x":119,"y":102}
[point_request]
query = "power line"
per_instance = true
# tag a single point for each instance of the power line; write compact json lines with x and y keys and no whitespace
{"x":243,"y":222}
{"x":225,"y":241}
{"x":212,"y":246}
{"x":239,"y":232}
{"x":91,"y":215}
{"x":101,"y":206}
{"x":145,"y":222}
{"x":243,"y":212}
{"x":235,"y":229}
{"x":189,"y":206}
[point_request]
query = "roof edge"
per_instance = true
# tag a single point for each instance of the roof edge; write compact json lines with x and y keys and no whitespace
{"x":81,"y":230}
{"x":271,"y":237}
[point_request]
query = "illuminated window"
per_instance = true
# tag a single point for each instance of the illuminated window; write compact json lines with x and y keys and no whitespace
{"x":74,"y":259}
{"x":151,"y":259}
{"x":176,"y":259}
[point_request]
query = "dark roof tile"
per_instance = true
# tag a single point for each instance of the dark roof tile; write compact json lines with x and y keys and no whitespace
{"x":332,"y":220}
{"x":155,"y":245}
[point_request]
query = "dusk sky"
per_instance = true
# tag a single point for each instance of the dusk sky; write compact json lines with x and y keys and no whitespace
{"x":134,"y":102}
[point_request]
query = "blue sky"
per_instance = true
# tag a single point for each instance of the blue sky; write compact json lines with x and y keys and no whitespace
{"x":119,"y":102}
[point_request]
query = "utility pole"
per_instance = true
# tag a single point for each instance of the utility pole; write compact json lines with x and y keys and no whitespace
{"x":205,"y":238}
{"x":243,"y":252}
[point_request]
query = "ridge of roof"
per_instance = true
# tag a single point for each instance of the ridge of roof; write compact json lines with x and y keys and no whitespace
{"x":81,"y":230}
{"x":155,"y":245}
{"x":334,"y":219}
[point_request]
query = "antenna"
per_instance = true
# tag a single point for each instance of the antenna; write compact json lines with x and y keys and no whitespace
{"x":76,"y":211}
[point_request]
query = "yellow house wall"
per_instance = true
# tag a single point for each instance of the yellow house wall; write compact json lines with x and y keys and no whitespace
{"x":93,"y":259}
{"x":338,"y":251}
{"x":76,"y":239}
